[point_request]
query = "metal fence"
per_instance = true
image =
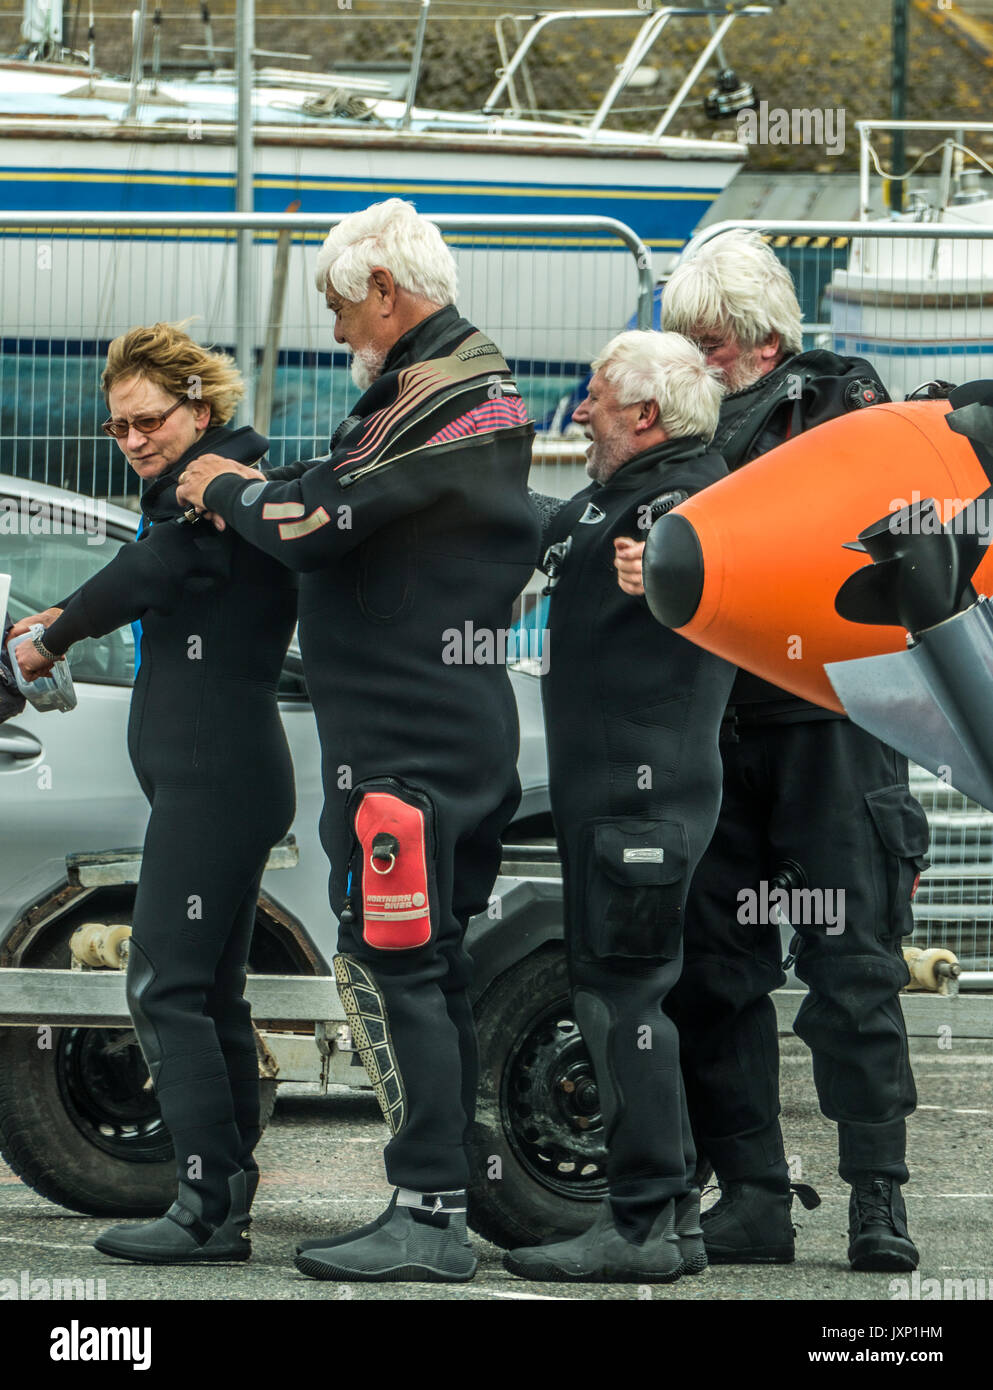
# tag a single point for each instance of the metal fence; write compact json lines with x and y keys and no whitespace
{"x":549,"y":290}
{"x":915,"y":299}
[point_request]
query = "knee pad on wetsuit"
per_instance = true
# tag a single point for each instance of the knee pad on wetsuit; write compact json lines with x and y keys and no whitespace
{"x":140,"y":976}
{"x":365,"y":1009}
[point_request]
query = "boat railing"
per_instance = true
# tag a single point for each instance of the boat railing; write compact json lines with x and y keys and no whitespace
{"x":952,"y":149}
{"x":415,"y":66}
{"x":653,"y":22}
{"x":825,"y":232}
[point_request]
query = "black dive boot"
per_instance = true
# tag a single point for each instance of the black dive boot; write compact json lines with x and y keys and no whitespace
{"x":426,"y":1243}
{"x":602,"y":1255}
{"x":752,"y":1223}
{"x":878,"y":1238}
{"x":182,"y":1236}
{"x":690,"y":1233}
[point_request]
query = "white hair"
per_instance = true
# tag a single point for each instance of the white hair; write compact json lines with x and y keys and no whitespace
{"x":669,"y":369}
{"x":392,"y":235}
{"x":734,"y":285}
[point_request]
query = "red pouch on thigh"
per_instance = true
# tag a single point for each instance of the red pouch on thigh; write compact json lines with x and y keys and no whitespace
{"x":396,"y":910}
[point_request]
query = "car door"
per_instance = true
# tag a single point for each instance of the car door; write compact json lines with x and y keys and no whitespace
{"x":66,"y":783}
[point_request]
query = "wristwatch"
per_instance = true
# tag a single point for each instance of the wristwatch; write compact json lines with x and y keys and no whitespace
{"x":43,"y":651}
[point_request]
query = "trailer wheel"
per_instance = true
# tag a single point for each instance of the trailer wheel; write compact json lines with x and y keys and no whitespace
{"x":537,"y":1159}
{"x":77,"y":1123}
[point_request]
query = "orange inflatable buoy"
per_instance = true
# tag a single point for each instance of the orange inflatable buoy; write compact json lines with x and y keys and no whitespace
{"x":750,"y":568}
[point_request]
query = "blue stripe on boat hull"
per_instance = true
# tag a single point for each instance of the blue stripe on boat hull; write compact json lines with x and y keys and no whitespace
{"x":666,"y":217}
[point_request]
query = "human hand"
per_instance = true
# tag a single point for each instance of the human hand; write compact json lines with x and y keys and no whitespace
{"x":46,"y":619}
{"x":627,"y":563}
{"x":198,"y":475}
{"x":31,"y":662}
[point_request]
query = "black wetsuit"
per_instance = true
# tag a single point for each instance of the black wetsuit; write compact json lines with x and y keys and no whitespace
{"x":415,"y":535}
{"x":803,"y":786}
{"x":207,"y":744}
{"x":632,"y":713}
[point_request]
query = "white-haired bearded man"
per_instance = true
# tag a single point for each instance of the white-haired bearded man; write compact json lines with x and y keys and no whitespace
{"x":415,"y":524}
{"x":809,"y":795}
{"x":631,"y":715}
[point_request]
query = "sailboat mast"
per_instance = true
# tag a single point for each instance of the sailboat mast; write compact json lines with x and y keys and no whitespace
{"x":245,"y":288}
{"x":898,"y":101}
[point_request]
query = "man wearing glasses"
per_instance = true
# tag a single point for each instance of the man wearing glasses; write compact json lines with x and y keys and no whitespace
{"x":631,"y":717}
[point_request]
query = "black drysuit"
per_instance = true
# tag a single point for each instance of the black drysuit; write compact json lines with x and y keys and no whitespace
{"x":803,"y":786}
{"x":207,"y":744}
{"x":414,"y":535}
{"x":632,"y":713}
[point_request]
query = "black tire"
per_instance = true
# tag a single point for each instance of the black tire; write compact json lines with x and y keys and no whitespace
{"x":76,"y":1122}
{"x":537,"y":1159}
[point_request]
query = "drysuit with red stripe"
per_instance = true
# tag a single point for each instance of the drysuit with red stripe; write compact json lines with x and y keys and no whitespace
{"x":413,"y":535}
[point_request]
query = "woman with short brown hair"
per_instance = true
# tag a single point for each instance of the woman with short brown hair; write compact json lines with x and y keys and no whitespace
{"x":208,"y":748}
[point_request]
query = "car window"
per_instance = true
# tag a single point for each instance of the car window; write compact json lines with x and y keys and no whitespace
{"x":49,"y":557}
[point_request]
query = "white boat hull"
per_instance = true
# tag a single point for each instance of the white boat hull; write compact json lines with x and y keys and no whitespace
{"x":918,"y":309}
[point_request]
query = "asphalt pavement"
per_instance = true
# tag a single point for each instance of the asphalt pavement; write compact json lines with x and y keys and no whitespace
{"x":322,"y":1173}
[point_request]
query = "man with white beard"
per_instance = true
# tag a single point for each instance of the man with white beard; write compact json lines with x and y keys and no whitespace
{"x":632,"y":713}
{"x":416,"y":523}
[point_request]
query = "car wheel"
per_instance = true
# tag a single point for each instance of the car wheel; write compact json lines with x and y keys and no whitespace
{"x":79,"y":1124}
{"x":537,"y":1160}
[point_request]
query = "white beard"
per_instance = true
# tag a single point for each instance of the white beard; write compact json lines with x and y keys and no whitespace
{"x":367,"y":366}
{"x":604,"y":457}
{"x":746,"y":371}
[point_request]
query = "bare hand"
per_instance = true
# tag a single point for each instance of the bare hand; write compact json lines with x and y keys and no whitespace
{"x":198,"y":475}
{"x":46,"y":619}
{"x":31,"y":662}
{"x":627,"y":563}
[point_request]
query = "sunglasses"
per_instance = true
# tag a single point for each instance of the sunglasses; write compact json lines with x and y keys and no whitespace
{"x":144,"y":424}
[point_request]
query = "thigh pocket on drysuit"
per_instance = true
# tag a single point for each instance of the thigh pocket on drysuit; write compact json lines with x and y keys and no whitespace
{"x":635,"y":888}
{"x":902,"y":826}
{"x":392,"y":867}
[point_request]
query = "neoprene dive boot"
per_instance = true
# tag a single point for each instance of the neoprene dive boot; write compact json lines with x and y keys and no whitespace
{"x":602,"y":1255}
{"x":423,"y":1243}
{"x":182,"y":1236}
{"x":752,"y":1223}
{"x":878,"y":1238}
{"x":690,"y":1233}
